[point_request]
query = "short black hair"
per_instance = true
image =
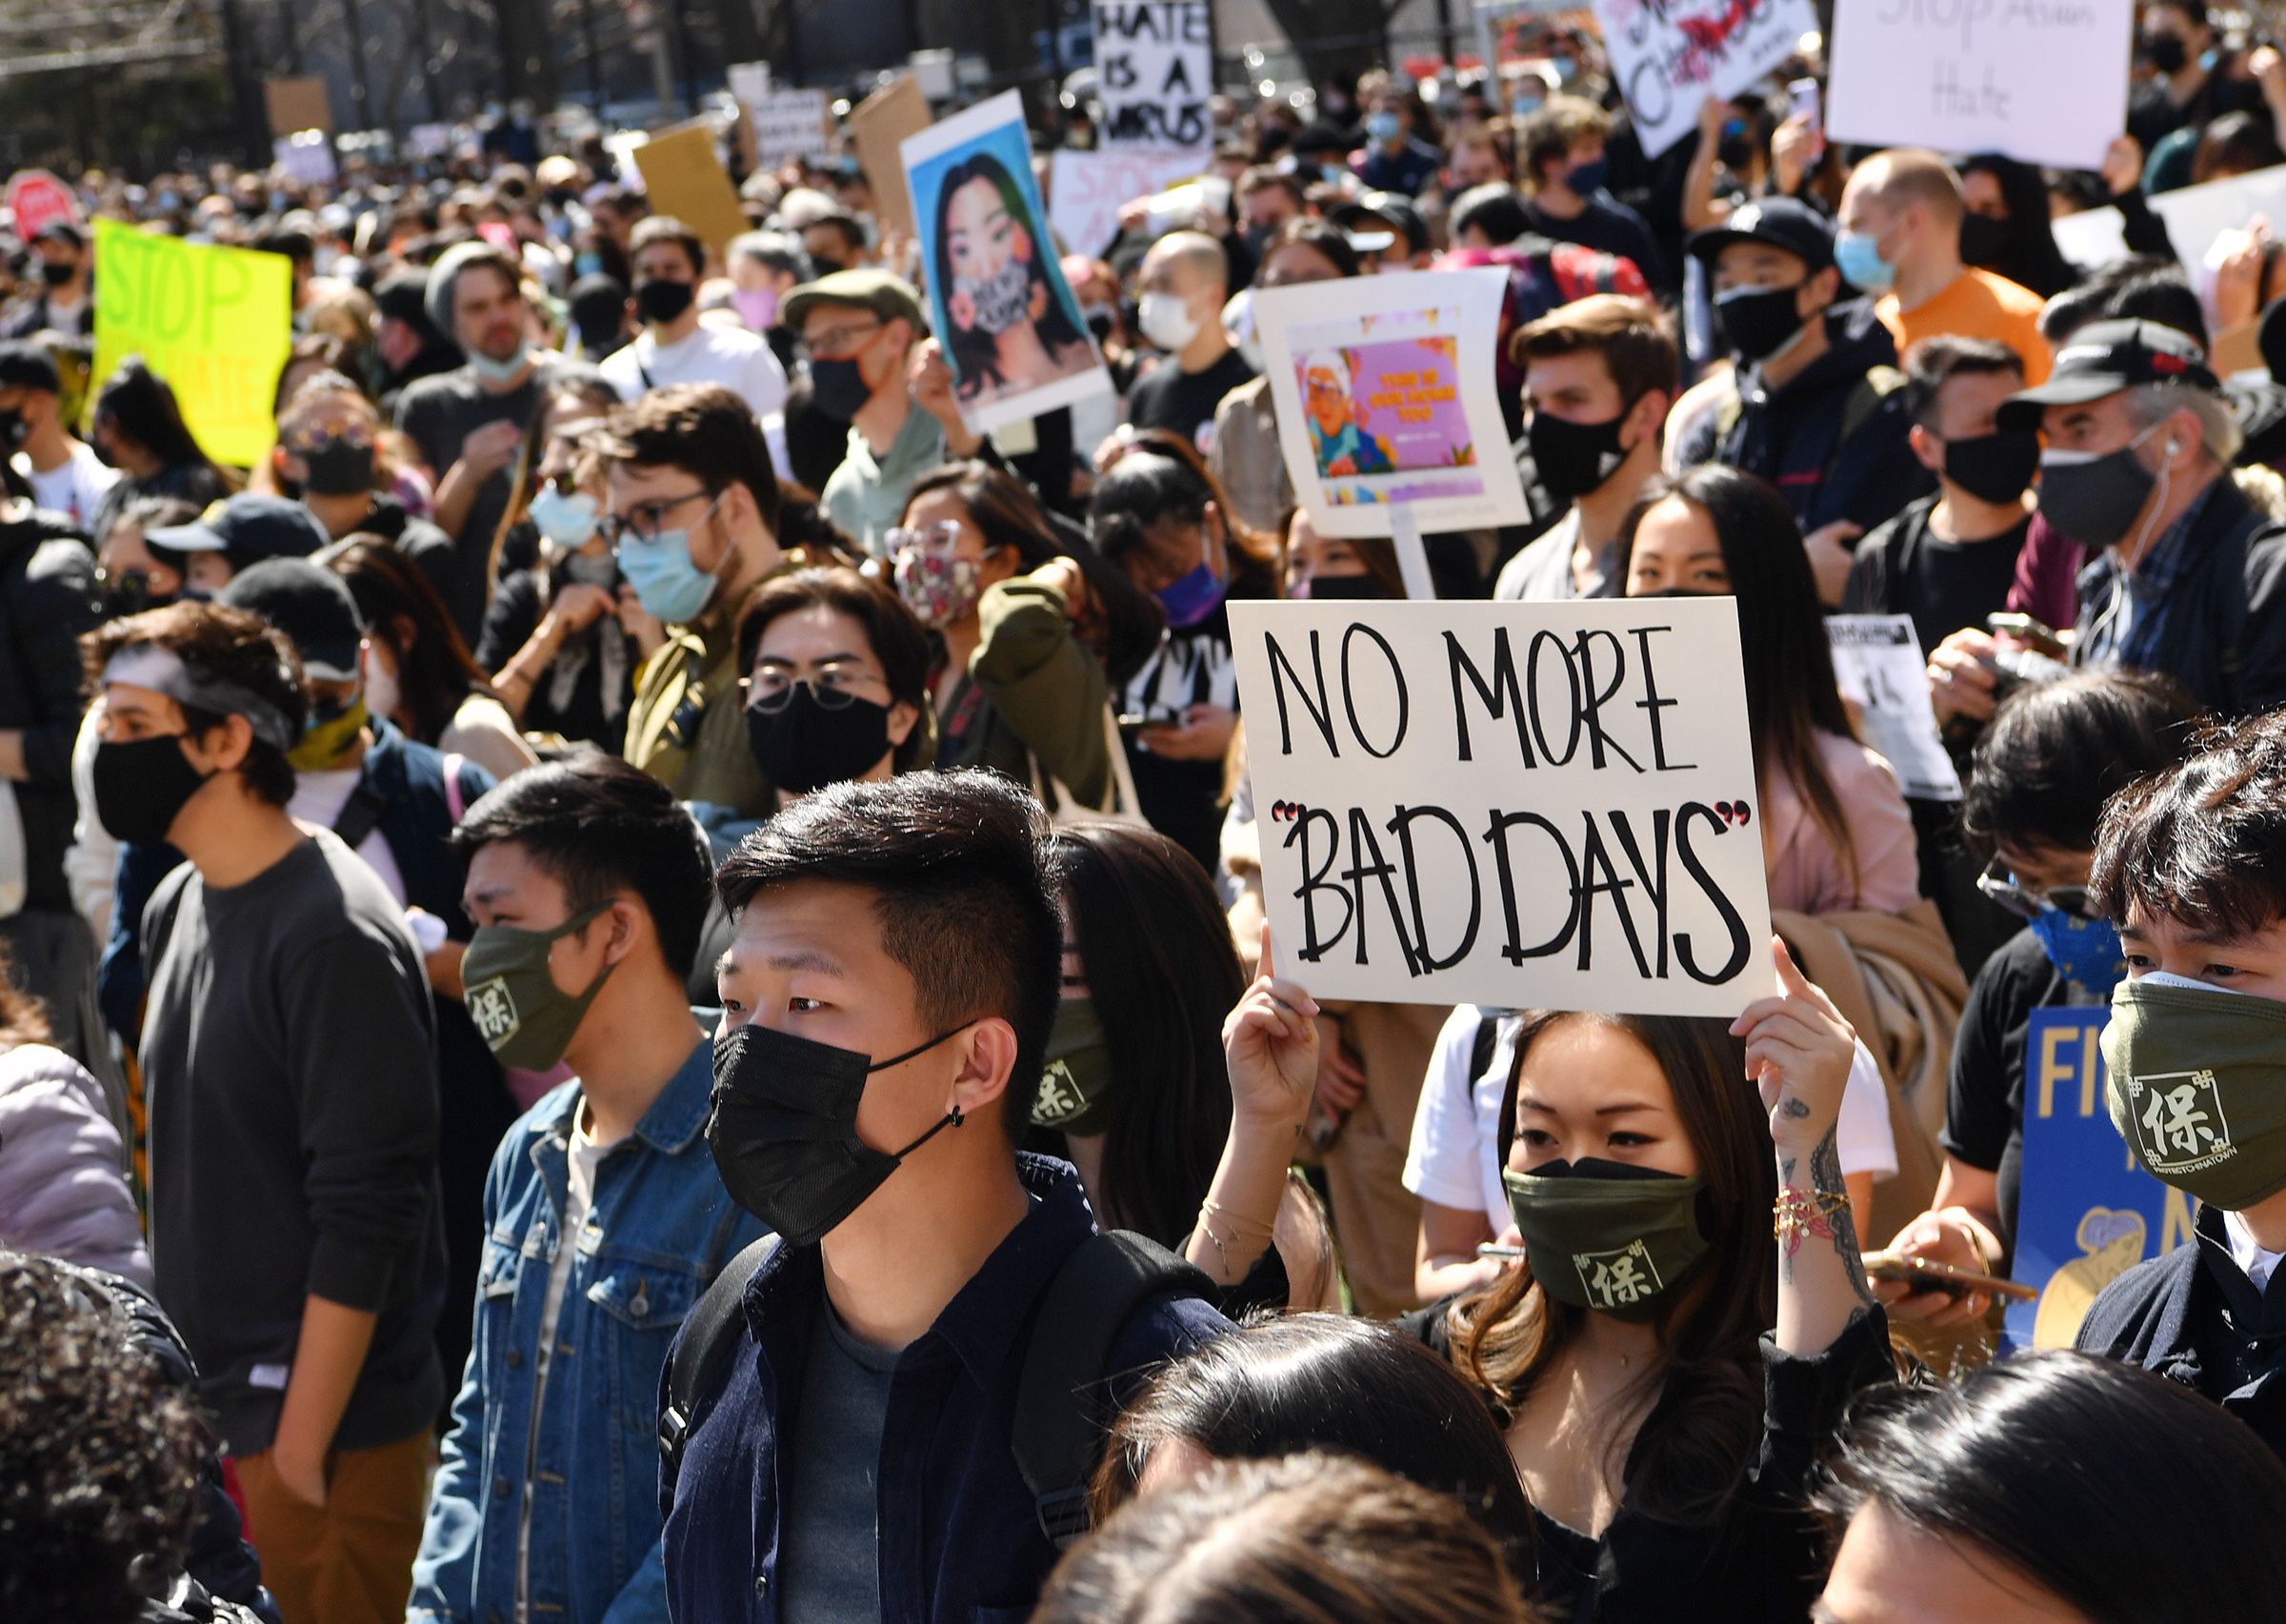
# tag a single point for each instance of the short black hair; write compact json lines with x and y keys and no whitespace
{"x":704,"y":430}
{"x":2057,"y":750}
{"x":1494,"y":209}
{"x":1934,"y":361}
{"x":2168,"y":1513}
{"x":2204,"y":842}
{"x":98,"y":1455}
{"x":967,"y":895}
{"x":599,"y":827}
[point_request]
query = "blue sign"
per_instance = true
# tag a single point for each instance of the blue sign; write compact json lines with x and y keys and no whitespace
{"x":2085,"y":1211}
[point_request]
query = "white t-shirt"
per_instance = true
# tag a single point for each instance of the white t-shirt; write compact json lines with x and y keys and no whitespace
{"x":320,"y":797}
{"x":74,"y":486}
{"x":740,"y":361}
{"x":1453,"y":1158}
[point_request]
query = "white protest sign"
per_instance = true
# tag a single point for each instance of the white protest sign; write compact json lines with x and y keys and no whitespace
{"x":2195,"y":215}
{"x":748,"y":82}
{"x":1384,"y":395}
{"x":790,"y":124}
{"x":2040,"y":80}
{"x":1878,"y":666}
{"x":1086,"y":191}
{"x":1154,"y":73}
{"x":1670,"y":55}
{"x":1531,"y":806}
{"x":307,"y":156}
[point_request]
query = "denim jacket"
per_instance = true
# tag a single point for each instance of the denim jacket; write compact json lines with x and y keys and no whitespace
{"x":660,"y":1228}
{"x":957,"y":1533}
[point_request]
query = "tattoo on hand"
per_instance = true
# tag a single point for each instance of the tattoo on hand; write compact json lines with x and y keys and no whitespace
{"x":1797,"y":1108}
{"x":1825,"y":1174}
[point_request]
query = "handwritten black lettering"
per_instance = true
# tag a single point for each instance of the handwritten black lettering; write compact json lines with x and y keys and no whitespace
{"x":1401,"y":826}
{"x":1282,"y":671}
{"x":1349,"y":689}
{"x":1696,"y":869}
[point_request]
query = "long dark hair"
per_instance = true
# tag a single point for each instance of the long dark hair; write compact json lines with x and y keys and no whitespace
{"x":2130,"y":1498}
{"x":1791,"y":692}
{"x":899,"y":641}
{"x":143,"y":408}
{"x":1163,"y":480}
{"x":1504,"y":1339}
{"x":1163,"y":973}
{"x":999,"y":505}
{"x":436,"y":671}
{"x":975,"y":355}
{"x":2033,"y":259}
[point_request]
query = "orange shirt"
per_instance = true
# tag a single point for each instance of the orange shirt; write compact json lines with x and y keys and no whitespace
{"x":1977,"y":305}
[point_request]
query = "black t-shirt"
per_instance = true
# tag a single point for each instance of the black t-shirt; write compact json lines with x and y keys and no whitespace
{"x":1903,"y":567}
{"x":1607,"y":227}
{"x":1984,"y":1096}
{"x":439,"y":415}
{"x":1182,"y":402}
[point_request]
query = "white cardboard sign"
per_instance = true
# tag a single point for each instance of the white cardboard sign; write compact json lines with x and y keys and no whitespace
{"x":1530,"y":806}
{"x":1086,"y":191}
{"x":1155,"y":74}
{"x":1878,"y":667}
{"x":2044,"y":81}
{"x":2195,"y":215}
{"x":789,"y":123}
{"x":1385,"y":398}
{"x":1670,"y":55}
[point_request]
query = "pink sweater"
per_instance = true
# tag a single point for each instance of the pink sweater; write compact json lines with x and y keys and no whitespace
{"x":1808,"y":874}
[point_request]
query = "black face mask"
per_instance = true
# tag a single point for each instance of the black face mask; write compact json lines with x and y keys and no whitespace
{"x":140,"y":787}
{"x":1984,"y":241}
{"x":1100,"y":325}
{"x":2094,"y":502}
{"x":57,"y":272}
{"x":1756,"y":322}
{"x":803,"y":746}
{"x":784,"y":1129}
{"x":1343,"y":589}
{"x":661,"y":299}
{"x":1994,"y":468}
{"x":11,"y":430}
{"x":129,"y":595}
{"x":2166,"y":52}
{"x":1574,"y":459}
{"x":338,"y":468}
{"x":821,"y":266}
{"x":838,"y":389}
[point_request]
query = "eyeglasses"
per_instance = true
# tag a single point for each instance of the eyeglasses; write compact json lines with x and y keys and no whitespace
{"x":940,"y":537}
{"x":834,"y":688}
{"x":2025,"y":901}
{"x":642,"y":521}
{"x":836,"y":343}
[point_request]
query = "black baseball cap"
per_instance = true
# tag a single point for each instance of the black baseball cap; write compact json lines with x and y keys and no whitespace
{"x":311,"y":605}
{"x":250,"y":527}
{"x":1781,"y":222}
{"x":2105,"y":357}
{"x":24,"y":364}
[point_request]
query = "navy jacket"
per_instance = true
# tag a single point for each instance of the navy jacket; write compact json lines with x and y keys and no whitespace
{"x":958,"y":1537}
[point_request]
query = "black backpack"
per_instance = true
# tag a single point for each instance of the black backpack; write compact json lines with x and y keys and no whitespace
{"x":1063,"y":1409}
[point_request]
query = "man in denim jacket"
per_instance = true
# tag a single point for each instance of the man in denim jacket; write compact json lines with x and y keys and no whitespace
{"x":605,"y":1219}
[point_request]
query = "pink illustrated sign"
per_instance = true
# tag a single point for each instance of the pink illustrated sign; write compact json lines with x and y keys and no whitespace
{"x":1386,"y":420}
{"x":38,"y":200}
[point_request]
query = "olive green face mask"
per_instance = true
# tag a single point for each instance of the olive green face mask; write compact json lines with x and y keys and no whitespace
{"x":1078,"y":1074}
{"x":1607,"y":1237}
{"x":2195,"y":1080}
{"x":513,"y":999}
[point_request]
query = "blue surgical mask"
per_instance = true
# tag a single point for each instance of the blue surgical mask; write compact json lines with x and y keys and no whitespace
{"x":500,"y":372}
{"x":587,"y":264}
{"x":1858,"y":255}
{"x":669,"y":584}
{"x":1383,"y":126}
{"x":1193,"y":597}
{"x":1587,"y":179}
{"x":1334,"y":173}
{"x":564,"y":520}
{"x":2085,"y":951}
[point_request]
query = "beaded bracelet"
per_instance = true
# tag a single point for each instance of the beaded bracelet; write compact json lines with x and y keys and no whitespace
{"x":1800,"y":1213}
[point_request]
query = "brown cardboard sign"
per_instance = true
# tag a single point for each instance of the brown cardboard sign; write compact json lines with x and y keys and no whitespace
{"x":878,"y":125}
{"x":685,"y":178}
{"x":297,"y":104}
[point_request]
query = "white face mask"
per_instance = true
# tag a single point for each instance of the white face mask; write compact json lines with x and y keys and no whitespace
{"x":1167,"y":321}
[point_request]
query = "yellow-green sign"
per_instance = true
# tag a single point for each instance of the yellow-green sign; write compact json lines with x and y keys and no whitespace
{"x":216,"y":323}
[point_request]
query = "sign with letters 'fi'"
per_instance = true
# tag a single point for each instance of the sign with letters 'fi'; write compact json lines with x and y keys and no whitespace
{"x":1670,"y":55}
{"x":1155,"y":74}
{"x":1544,"y":805}
{"x":2044,"y":81}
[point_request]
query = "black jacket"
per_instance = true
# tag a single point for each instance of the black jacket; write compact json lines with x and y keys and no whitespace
{"x":2193,"y":1317}
{"x":2224,"y":636}
{"x":47,"y":599}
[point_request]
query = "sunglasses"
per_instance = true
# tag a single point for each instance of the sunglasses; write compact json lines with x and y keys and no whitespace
{"x":2025,"y":901}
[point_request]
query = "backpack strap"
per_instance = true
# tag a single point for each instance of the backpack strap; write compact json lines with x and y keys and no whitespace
{"x":1482,"y":1045}
{"x":361,"y":816}
{"x":1063,"y":1409}
{"x":1878,"y":384}
{"x":695,"y":1369}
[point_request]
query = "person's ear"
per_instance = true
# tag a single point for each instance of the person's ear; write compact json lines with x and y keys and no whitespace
{"x":621,"y":926}
{"x":999,"y":563}
{"x":1819,"y":287}
{"x":1646,"y":418}
{"x":1927,"y":449}
{"x":223,"y":747}
{"x":988,"y":1059}
{"x":903,"y":718}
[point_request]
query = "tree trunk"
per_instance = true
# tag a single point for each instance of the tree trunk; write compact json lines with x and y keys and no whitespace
{"x":1336,"y":39}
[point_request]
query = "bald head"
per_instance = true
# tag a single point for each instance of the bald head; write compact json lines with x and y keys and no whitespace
{"x":1188,"y":263}
{"x":1904,"y":176}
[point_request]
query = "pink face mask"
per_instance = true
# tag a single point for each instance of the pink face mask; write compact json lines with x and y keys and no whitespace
{"x":756,"y":306}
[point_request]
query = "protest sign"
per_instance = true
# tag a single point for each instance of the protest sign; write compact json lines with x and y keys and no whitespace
{"x":1546,"y":806}
{"x":2046,"y":83}
{"x":1668,"y":56}
{"x":306,"y":157}
{"x":2085,"y":1212}
{"x":38,"y":200}
{"x":2195,"y":215}
{"x":748,"y":82}
{"x":1154,"y":73}
{"x":297,"y":104}
{"x":216,"y":323}
{"x":683,"y":177}
{"x":1385,"y":401}
{"x":878,"y":127}
{"x":1877,"y":663}
{"x":789,"y":123}
{"x":1086,"y":189}
{"x":998,"y":302}
{"x":931,"y":70}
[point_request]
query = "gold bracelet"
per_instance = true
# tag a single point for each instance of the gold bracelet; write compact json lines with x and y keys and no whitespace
{"x":1800,"y":1213}
{"x":1239,"y":1228}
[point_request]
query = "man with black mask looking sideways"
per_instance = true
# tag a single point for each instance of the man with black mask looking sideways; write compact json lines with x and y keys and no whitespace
{"x":1815,"y":405}
{"x":1599,"y":374}
{"x":674,"y":345}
